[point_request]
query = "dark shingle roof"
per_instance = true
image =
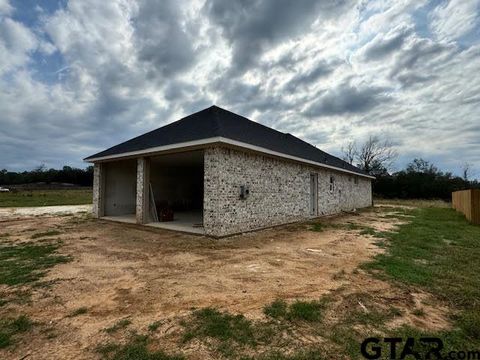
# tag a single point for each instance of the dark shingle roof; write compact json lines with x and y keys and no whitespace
{"x":218,"y":122}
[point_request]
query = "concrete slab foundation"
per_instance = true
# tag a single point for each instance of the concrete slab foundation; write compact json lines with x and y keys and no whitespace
{"x":188,"y":222}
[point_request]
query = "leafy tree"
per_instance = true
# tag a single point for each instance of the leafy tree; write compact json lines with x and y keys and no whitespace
{"x":420,"y":180}
{"x":82,"y":177}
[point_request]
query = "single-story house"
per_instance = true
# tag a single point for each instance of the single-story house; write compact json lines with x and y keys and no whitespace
{"x":218,"y":173}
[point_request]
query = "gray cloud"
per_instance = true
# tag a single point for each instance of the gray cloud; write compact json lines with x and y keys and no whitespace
{"x":160,"y":38}
{"x":251,"y":25}
{"x":383,"y":45}
{"x":118,"y":68}
{"x":346,"y":99}
{"x":246,"y":98}
{"x":420,"y":50}
{"x":320,"y":70}
{"x":410,"y":78}
{"x":178,"y":89}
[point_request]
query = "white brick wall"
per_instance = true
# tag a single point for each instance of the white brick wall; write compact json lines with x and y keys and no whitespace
{"x":279,"y":191}
{"x":142,"y":200}
{"x":98,"y":181}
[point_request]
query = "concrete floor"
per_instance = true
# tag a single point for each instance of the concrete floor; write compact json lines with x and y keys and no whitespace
{"x":130,"y":218}
{"x":183,"y":221}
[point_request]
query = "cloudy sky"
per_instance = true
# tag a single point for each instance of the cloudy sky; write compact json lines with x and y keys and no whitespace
{"x":77,"y":76}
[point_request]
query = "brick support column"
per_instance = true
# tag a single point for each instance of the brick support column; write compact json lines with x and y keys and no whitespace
{"x":98,"y":190}
{"x":143,"y":181}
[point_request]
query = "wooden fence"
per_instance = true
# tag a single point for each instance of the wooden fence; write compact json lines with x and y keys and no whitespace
{"x":468,"y":203}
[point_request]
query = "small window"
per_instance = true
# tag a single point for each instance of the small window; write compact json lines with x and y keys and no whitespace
{"x":356,"y":180}
{"x":332,"y":184}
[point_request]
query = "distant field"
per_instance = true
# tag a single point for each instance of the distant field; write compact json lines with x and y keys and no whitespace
{"x":413,"y":202}
{"x":46,"y":198}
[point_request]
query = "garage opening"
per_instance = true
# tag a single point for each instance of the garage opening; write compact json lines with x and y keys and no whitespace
{"x":177,"y":189}
{"x":120,"y":190}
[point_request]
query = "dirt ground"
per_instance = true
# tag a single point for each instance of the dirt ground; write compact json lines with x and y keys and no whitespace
{"x":10,"y":213}
{"x":125,"y":271}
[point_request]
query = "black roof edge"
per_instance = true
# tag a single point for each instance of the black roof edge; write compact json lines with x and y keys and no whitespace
{"x":330,"y":161}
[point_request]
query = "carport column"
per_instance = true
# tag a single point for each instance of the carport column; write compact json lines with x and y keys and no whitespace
{"x":143,"y":181}
{"x":98,"y":190}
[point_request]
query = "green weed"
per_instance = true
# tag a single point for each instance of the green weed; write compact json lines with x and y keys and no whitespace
{"x":277,"y":309}
{"x":135,"y":349}
{"x":119,"y":325}
{"x":11,"y":327}
{"x":154,"y":326}
{"x":77,"y":312}
{"x":27,"y":263}
{"x":45,"y":234}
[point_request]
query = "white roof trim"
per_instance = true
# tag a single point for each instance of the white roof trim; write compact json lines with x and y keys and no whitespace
{"x":286,"y":156}
{"x":220,"y":139}
{"x":157,"y":149}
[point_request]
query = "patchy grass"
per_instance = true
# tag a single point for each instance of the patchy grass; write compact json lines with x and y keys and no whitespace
{"x":135,"y":349}
{"x":319,"y":227}
{"x":77,"y":312}
{"x":399,"y":213}
{"x":310,"y":311}
{"x":46,"y":198}
{"x":435,"y":249}
{"x":373,"y":316}
{"x":277,"y":309}
{"x":210,"y":322}
{"x":107,"y":350}
{"x":362,"y":229}
{"x":323,"y":226}
{"x":17,"y":296}
{"x":418,"y":312}
{"x":77,"y":219}
{"x":372,"y":232}
{"x":438,"y":250}
{"x":306,"y":354}
{"x":11,"y":327}
{"x":119,"y":325}
{"x":418,"y":203}
{"x":305,"y":310}
{"x":45,"y":234}
{"x":226,"y":334}
{"x":26,"y":263}
{"x":154,"y":326}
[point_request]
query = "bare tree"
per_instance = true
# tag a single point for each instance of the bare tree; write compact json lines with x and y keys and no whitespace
{"x":376,"y":156}
{"x":349,"y":152}
{"x":466,"y":170}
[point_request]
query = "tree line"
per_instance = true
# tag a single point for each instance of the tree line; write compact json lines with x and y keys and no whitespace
{"x":420,"y":179}
{"x":68,"y":175}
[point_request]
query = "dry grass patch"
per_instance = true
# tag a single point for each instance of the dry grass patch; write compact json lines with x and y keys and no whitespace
{"x":282,"y":293}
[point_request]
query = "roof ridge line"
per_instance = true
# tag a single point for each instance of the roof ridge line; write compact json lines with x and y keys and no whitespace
{"x":250,"y":120}
{"x":218,"y":126}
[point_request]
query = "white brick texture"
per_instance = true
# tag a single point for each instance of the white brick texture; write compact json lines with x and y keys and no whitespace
{"x":279,"y":191}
